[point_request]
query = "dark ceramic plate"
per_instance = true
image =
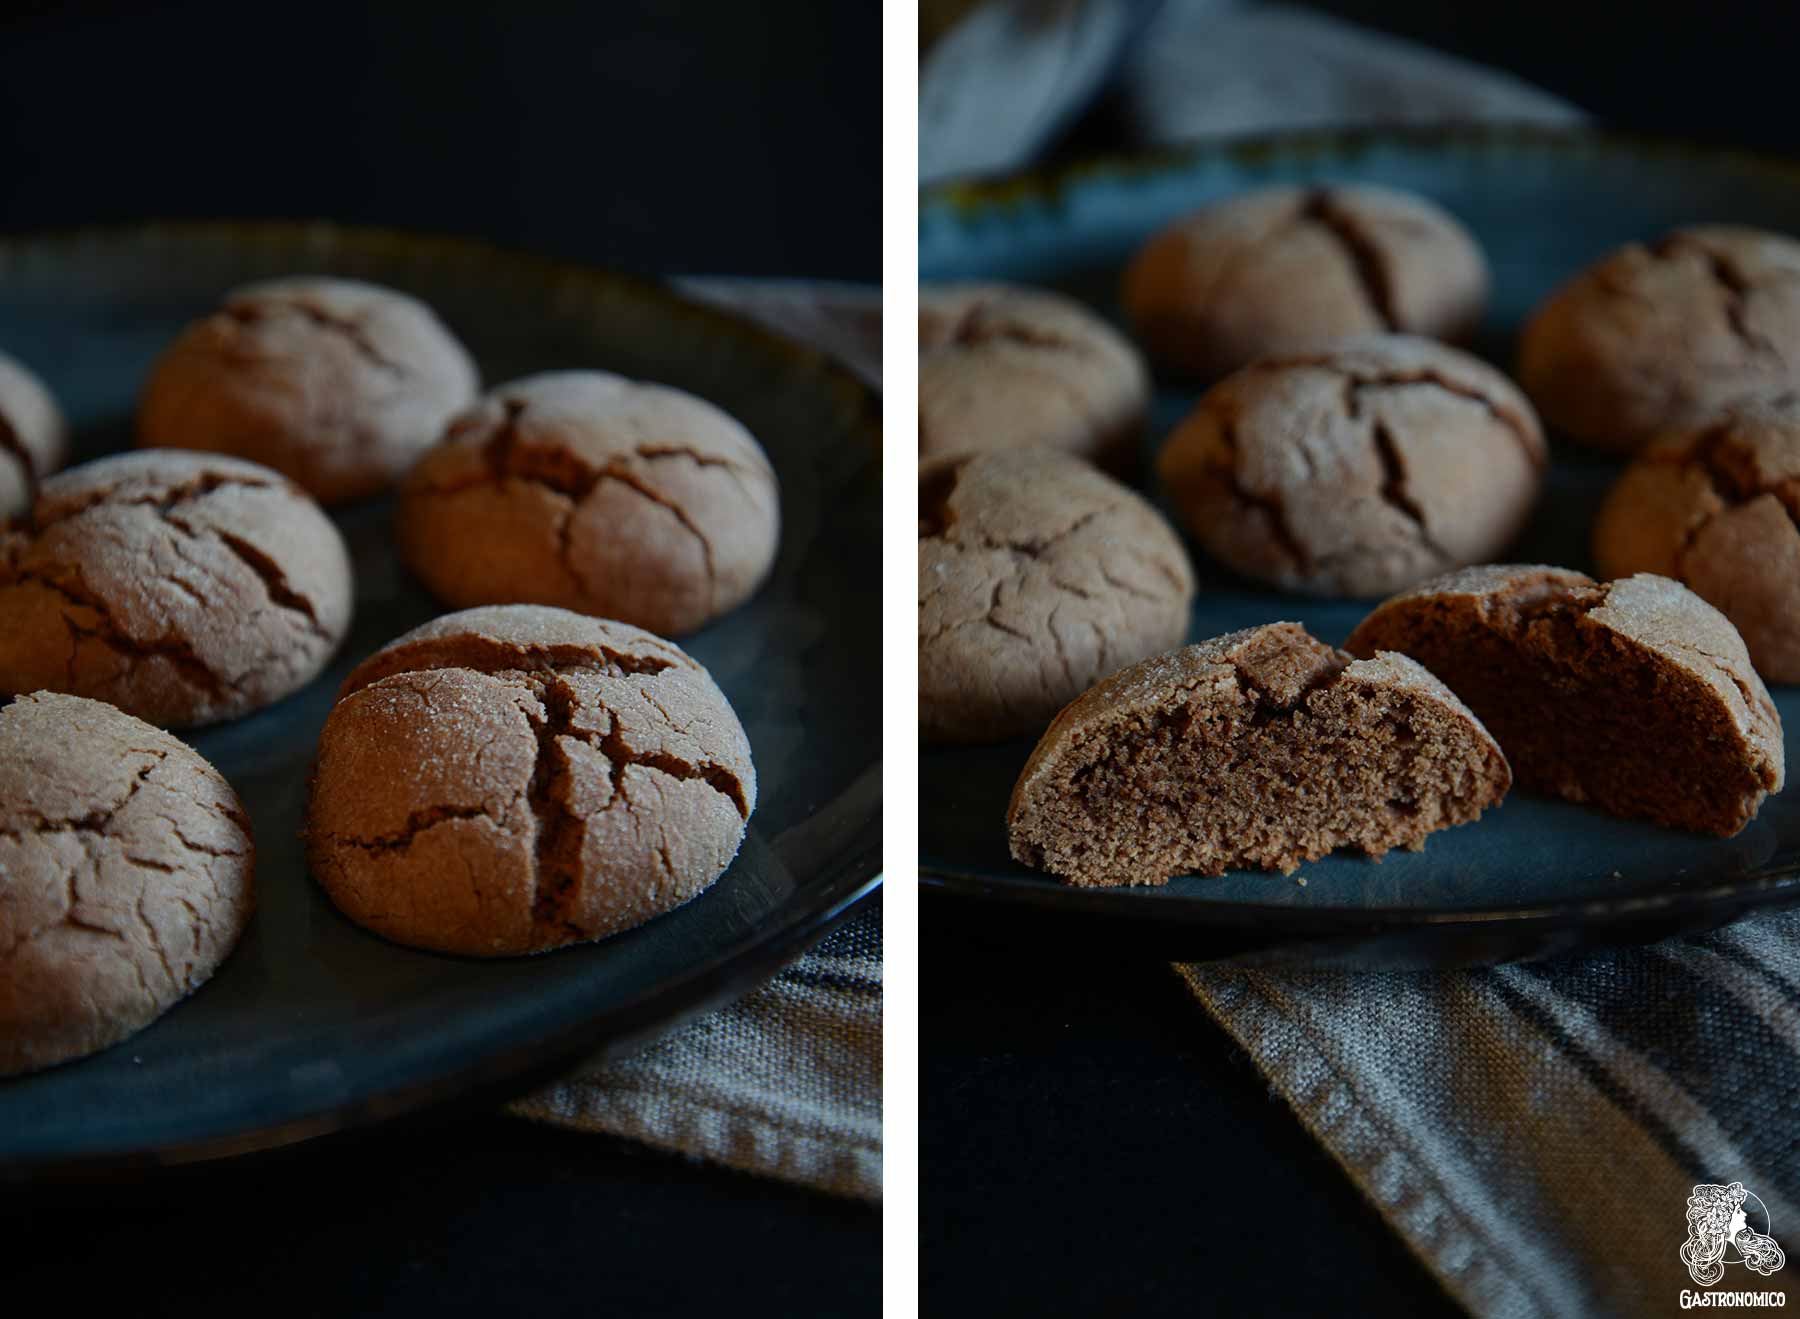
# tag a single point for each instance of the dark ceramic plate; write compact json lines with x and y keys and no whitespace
{"x":314,"y":1024}
{"x":1533,"y":877}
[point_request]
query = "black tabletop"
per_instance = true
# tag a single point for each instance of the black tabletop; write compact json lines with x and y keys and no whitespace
{"x":644,"y":135}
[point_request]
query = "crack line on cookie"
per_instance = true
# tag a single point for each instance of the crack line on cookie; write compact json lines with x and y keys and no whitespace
{"x":1274,"y":511}
{"x":1367,"y":261}
{"x":180,"y":654}
{"x":1394,"y":490}
{"x":1734,"y":286}
{"x":354,"y":331}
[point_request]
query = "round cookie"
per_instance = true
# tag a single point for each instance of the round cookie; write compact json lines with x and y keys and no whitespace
{"x":515,"y":778}
{"x":126,"y":876}
{"x":1715,"y":507}
{"x":1037,"y":576}
{"x":183,"y":588}
{"x":335,"y":383}
{"x":1358,"y":470}
{"x":1635,"y":696}
{"x":1667,"y":335}
{"x":1003,"y":367}
{"x":1285,"y":270}
{"x":1259,"y":748}
{"x":594,"y":493}
{"x":34,"y":440}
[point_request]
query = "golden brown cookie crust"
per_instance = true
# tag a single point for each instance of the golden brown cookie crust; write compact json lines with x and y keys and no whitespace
{"x":126,"y":876}
{"x":1258,"y":748}
{"x":185,"y":588}
{"x":1037,"y":576}
{"x":1004,"y":367}
{"x":1666,"y":335}
{"x":515,"y":778}
{"x":34,"y":439}
{"x":591,"y":492}
{"x":1286,"y":270}
{"x":1359,"y":469}
{"x":337,"y":384}
{"x":1715,"y":507}
{"x":1635,"y":695}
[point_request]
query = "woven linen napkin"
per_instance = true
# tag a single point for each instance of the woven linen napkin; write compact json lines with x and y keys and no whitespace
{"x":1565,"y":1138}
{"x":786,"y":1082}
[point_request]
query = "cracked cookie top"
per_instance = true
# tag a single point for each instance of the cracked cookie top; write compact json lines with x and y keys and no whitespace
{"x":335,"y":383}
{"x":1284,"y":270}
{"x":1037,"y":575}
{"x":34,"y":440}
{"x":592,"y":492}
{"x":126,"y":869}
{"x":184,"y":588}
{"x":1635,"y":695}
{"x":1005,"y":367}
{"x":1263,"y":747}
{"x":1357,"y":470}
{"x":515,"y":778}
{"x":1666,"y":335}
{"x":1717,"y":507}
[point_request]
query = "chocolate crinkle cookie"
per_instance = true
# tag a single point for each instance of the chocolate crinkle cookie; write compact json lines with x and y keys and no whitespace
{"x":1037,"y":576}
{"x":1357,"y":470}
{"x":592,"y":492}
{"x":1636,"y":695}
{"x":1285,"y":270}
{"x":126,"y":876}
{"x":183,"y":588}
{"x":1261,"y":748}
{"x":1666,"y":335}
{"x":1715,"y":507}
{"x":516,"y":778}
{"x":1004,"y":367}
{"x":34,"y":439}
{"x":335,"y":383}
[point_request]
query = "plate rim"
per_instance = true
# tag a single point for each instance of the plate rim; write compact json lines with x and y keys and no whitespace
{"x":732,"y":970}
{"x":969,"y":198}
{"x":969,"y":195}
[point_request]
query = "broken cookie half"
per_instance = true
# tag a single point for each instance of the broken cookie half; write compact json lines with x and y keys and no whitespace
{"x":1635,"y":695}
{"x":1260,"y":748}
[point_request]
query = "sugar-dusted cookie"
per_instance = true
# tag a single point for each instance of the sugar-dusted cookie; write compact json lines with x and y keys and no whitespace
{"x":1003,"y":367}
{"x":595,"y":493}
{"x":1288,"y":269}
{"x":1037,"y":575}
{"x":1356,"y":470}
{"x":516,"y":778}
{"x":34,"y":439}
{"x":184,"y":588}
{"x":335,"y":383}
{"x":1714,"y":507}
{"x":1666,"y":335}
{"x":126,"y":876}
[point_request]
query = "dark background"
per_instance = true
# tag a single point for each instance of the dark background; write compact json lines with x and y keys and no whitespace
{"x":658,"y":136}
{"x":1091,"y":1143}
{"x":654,"y":137}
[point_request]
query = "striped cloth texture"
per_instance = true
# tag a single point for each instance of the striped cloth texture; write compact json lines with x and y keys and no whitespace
{"x":785,"y":1082}
{"x":1571,"y":1137}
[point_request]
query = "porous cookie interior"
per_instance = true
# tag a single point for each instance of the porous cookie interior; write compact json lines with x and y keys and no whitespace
{"x":611,"y":738}
{"x":1293,"y":761}
{"x":1582,"y":712}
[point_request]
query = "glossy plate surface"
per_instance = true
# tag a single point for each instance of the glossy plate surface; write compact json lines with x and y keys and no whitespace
{"x":1532,"y":877}
{"x":313,"y":1024}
